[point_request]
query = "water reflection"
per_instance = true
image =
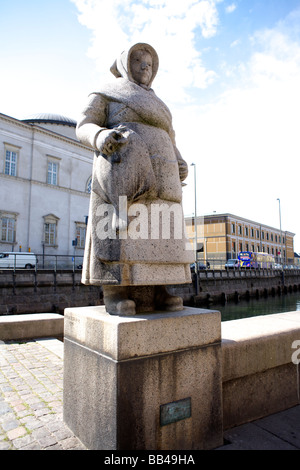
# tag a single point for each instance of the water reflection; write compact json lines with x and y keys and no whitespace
{"x":262,"y":306}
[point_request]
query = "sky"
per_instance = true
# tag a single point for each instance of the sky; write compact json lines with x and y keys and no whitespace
{"x":229,"y":72}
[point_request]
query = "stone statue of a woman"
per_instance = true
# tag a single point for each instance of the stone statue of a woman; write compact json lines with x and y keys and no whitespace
{"x":136,"y":243}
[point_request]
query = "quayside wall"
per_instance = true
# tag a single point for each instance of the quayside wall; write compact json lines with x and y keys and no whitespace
{"x":29,"y":291}
{"x":220,"y":286}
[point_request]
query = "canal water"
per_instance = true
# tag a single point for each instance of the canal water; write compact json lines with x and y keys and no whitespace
{"x":262,"y":306}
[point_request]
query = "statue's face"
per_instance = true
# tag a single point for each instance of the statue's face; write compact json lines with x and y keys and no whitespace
{"x":141,"y":67}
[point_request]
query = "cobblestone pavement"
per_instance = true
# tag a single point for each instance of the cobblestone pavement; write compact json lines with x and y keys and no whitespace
{"x":31,"y":399}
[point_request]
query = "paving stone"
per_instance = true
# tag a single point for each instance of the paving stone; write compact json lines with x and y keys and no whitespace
{"x":10,"y":424}
{"x":54,"y":447}
{"x":4,"y":408}
{"x":32,"y":446}
{"x":31,"y":423}
{"x":62,"y":434}
{"x":17,"y":432}
{"x":41,"y":412}
{"x":47,"y":441}
{"x":5,"y":445}
{"x":71,"y":443}
{"x":24,"y":441}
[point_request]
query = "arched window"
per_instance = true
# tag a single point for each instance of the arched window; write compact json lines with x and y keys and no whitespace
{"x":88,"y":186}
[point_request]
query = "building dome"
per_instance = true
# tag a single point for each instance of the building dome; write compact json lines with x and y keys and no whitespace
{"x":48,"y":118}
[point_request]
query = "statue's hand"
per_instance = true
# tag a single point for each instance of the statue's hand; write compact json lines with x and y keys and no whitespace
{"x":109,"y":140}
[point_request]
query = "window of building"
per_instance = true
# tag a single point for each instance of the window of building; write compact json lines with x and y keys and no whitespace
{"x":240,"y":229}
{"x":232,"y":228}
{"x":80,"y":234}
{"x":8,"y":229}
{"x":52,"y":173}
{"x":240,"y":247}
{"x":50,"y":234}
{"x":272,"y":238}
{"x":246,"y":232}
{"x":11,"y":156}
{"x":263,"y":235}
{"x":267,"y":235}
{"x":257,"y":233}
{"x":10,"y":163}
{"x":52,"y":170}
{"x":252,"y":233}
{"x":50,"y":230}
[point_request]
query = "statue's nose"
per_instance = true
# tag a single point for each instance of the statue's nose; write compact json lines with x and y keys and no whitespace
{"x":144,"y":65}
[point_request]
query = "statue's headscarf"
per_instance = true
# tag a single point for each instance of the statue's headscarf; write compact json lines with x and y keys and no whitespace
{"x":121,"y":66}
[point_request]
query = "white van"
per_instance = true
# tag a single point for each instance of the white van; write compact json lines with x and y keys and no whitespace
{"x":17,"y":260}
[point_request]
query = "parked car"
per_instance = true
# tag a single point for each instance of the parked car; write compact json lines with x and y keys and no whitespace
{"x":200,"y":265}
{"x":17,"y":260}
{"x":232,"y":263}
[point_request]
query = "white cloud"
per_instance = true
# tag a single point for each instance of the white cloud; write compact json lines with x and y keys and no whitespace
{"x":230,"y":8}
{"x":168,"y":25}
{"x":235,"y":43}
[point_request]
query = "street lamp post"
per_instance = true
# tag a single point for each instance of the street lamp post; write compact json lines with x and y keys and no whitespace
{"x":196,"y":234}
{"x":280,"y":231}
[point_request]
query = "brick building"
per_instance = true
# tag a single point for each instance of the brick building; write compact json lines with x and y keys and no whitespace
{"x":223,"y":236}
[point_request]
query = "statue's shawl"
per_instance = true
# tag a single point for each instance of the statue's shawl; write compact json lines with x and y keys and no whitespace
{"x":143,"y":102}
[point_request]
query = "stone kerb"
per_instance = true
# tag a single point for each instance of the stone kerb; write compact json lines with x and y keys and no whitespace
{"x":37,"y":325}
{"x":259,"y":377}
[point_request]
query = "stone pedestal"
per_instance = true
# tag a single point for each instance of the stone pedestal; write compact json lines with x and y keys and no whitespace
{"x":150,"y":382}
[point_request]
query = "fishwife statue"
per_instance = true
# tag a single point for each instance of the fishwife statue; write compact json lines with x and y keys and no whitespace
{"x":136,"y":243}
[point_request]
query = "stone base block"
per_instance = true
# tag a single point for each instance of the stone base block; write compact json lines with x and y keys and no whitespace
{"x":146,"y":382}
{"x":35,"y":325}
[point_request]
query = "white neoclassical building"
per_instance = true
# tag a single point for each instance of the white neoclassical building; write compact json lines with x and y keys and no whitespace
{"x":45,"y":177}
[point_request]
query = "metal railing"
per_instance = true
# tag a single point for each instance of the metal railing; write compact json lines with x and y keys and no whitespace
{"x":41,"y":262}
{"x":221,"y":264}
{"x":74,"y":262}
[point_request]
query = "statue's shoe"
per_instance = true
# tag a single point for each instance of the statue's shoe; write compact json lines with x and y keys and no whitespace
{"x":125,"y":307}
{"x":116,"y":301}
{"x":166,"y":301}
